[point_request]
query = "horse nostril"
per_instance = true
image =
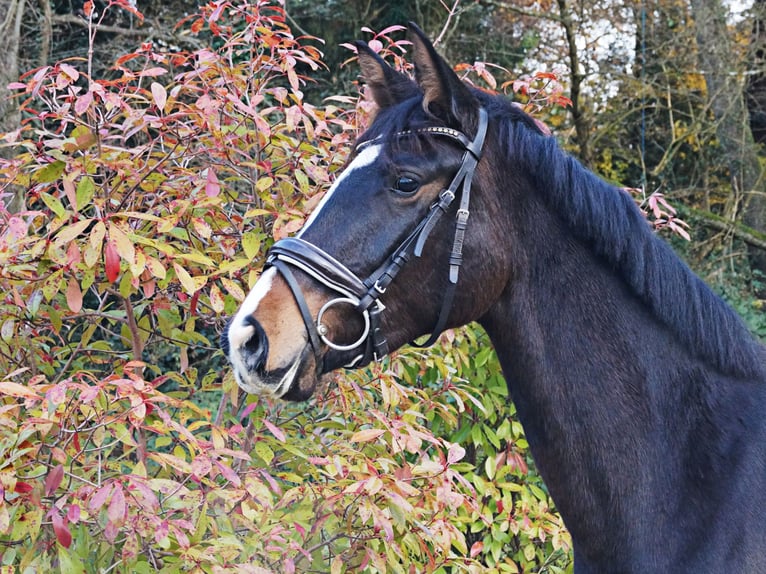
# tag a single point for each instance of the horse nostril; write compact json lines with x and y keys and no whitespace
{"x":256,"y":348}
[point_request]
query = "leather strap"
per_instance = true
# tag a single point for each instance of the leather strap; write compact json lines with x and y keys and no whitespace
{"x":289,"y":278}
{"x":333,"y":274}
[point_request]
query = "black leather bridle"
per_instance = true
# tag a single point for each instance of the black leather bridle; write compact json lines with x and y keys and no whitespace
{"x":364,"y":295}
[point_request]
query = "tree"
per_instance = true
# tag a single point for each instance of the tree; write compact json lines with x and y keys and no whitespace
{"x":718,"y":63}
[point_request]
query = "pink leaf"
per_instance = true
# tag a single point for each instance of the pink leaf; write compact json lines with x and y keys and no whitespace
{"x":74,"y":295}
{"x":248,"y":409}
{"x":212,"y":187}
{"x":73,"y":513}
{"x":201,"y":466}
{"x":228,"y":473}
{"x":70,"y":71}
{"x":275,"y":430}
{"x":375,"y":45}
{"x":53,"y":480}
{"x":116,"y":510}
{"x":455,"y":453}
{"x":98,"y":500}
{"x":82,"y":103}
{"x":61,"y":529}
{"x":153,"y":72}
{"x":476,"y":548}
{"x":160,"y":96}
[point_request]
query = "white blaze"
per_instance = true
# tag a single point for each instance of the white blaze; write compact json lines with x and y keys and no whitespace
{"x":367,"y":157}
{"x":240,"y":331}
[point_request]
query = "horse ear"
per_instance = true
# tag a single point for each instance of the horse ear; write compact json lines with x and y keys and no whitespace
{"x":388,"y":86}
{"x":444,"y":95}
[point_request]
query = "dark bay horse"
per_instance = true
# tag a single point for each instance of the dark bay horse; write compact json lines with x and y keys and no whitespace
{"x":642,"y":394}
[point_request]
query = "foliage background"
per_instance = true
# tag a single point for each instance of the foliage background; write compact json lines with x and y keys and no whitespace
{"x":152,"y":185}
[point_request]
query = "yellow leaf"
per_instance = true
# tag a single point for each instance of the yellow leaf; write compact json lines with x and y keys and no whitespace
{"x":233,"y":288}
{"x":16,"y":390}
{"x":97,"y":235}
{"x":68,"y":233}
{"x":216,"y":299}
{"x":186,"y":280}
{"x":166,"y":459}
{"x":156,"y":268}
{"x":122,"y":243}
{"x":366,"y":435}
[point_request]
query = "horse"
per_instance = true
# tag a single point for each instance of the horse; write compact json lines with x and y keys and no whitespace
{"x":641,"y":393}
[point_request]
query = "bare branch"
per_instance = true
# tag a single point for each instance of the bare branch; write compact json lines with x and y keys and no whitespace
{"x":522,"y":12}
{"x":148,"y":33}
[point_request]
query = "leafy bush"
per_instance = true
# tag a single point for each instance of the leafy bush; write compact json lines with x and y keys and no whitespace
{"x":151,"y":198}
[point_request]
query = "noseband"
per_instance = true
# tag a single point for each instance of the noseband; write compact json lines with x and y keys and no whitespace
{"x":364,"y":295}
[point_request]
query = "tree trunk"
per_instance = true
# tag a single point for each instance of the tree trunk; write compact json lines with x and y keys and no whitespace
{"x":755,"y":89}
{"x":580,"y":118}
{"x":11,"y":12}
{"x":718,"y":62}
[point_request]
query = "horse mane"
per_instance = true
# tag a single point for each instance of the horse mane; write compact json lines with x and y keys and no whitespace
{"x":608,"y":220}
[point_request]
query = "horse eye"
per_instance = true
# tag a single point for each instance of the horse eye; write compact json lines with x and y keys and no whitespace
{"x":406,"y":185}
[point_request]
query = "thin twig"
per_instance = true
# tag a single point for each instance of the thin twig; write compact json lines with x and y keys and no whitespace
{"x":450,"y":13}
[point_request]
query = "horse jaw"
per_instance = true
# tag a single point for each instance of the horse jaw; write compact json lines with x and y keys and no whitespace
{"x":296,"y":382}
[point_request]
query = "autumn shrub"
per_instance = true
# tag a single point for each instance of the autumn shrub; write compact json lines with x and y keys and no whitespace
{"x":151,"y":197}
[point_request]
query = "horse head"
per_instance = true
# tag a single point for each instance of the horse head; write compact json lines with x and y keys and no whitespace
{"x":377,"y":263}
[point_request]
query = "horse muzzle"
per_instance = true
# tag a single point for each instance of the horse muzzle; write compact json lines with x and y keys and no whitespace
{"x":247,"y":347}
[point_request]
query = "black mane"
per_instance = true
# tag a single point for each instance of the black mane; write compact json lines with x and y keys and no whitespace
{"x":607,"y":219}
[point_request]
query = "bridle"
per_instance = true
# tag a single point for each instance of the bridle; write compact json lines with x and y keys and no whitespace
{"x":364,"y":295}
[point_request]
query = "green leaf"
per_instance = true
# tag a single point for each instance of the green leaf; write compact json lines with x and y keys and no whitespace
{"x":251,"y":243}
{"x":49,"y":173}
{"x":85,"y":191}
{"x":264,"y":452}
{"x":69,"y":563}
{"x":54,"y":204}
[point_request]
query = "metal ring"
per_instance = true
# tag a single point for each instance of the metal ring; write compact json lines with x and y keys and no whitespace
{"x":322,"y":329}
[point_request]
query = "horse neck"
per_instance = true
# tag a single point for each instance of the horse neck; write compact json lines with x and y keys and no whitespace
{"x":599,"y":384}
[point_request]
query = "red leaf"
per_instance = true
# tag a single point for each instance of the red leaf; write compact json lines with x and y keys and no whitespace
{"x":53,"y":480}
{"x":23,"y":488}
{"x":87,"y":8}
{"x":61,"y":529}
{"x":111,"y":262}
